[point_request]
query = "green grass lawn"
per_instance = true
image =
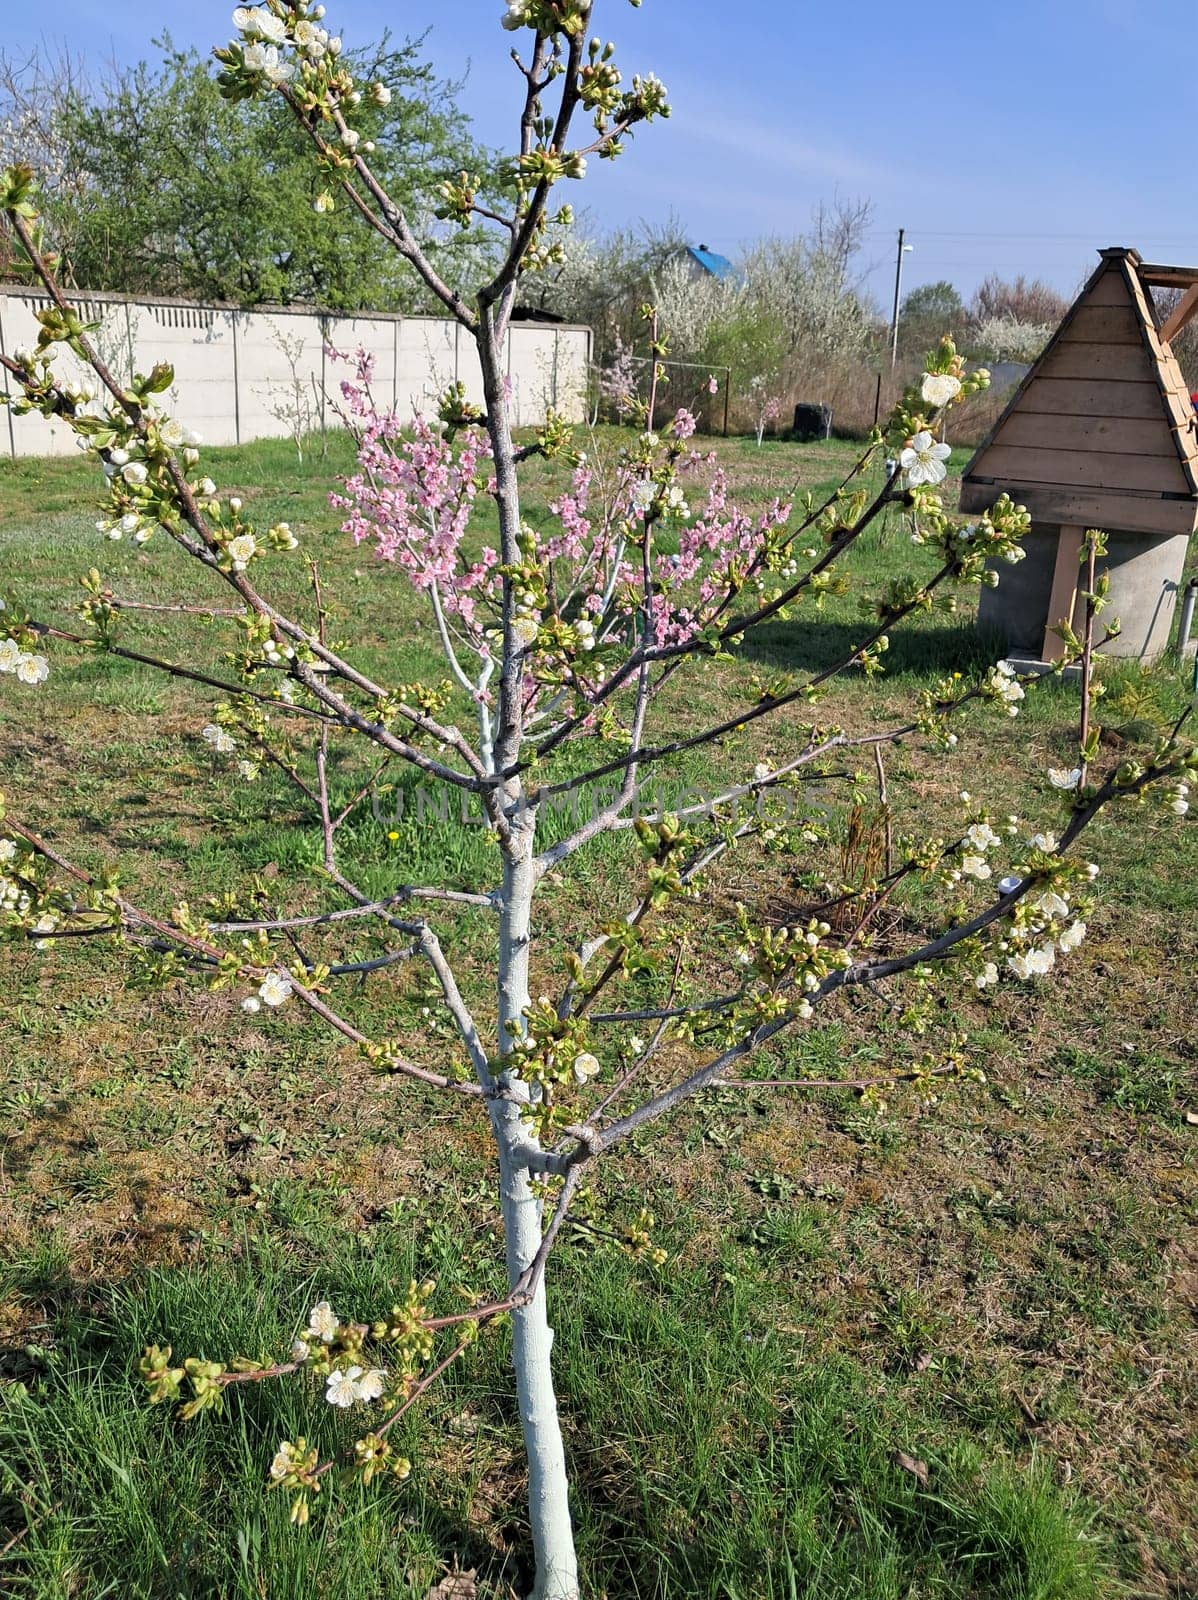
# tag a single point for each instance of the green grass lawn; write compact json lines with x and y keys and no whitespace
{"x":999,"y":1287}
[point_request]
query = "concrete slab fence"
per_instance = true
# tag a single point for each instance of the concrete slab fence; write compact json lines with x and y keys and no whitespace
{"x":239,"y":374}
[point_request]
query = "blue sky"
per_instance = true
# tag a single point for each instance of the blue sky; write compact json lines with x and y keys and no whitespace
{"x":1012,"y":137}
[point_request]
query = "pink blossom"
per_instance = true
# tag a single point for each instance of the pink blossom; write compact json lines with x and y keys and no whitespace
{"x":413,"y":495}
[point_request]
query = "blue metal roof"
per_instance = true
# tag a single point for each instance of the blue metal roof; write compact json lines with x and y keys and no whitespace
{"x":717,"y":266}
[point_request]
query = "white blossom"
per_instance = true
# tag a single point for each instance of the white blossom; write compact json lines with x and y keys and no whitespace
{"x":341,"y":1388}
{"x":1072,"y":936}
{"x":1004,"y":685}
{"x":676,"y":501}
{"x":585,"y":1066}
{"x":1060,"y":779}
{"x":32,"y":669}
{"x":258,"y":22}
{"x":10,"y":654}
{"x":322,"y":1324}
{"x":247,"y":770}
{"x":372,"y":1384}
{"x":643,"y":492}
{"x":1033,"y":963}
{"x":939,"y":388}
{"x":135,"y":473}
{"x":982,"y":836}
{"x":300,"y":1350}
{"x":923,"y":459}
{"x":987,"y":976}
{"x":1043,"y":958}
{"x":975,"y":867}
{"x":242,"y":550}
{"x":1050,"y":903}
{"x":380,"y":94}
{"x":271,"y":27}
{"x":251,"y":1003}
{"x":8,"y":849}
{"x":219,"y":738}
{"x":271,"y":63}
{"x":274,"y":989}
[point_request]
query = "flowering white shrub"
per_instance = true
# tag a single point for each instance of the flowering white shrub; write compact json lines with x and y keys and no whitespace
{"x":560,"y":643}
{"x":1006,"y":339}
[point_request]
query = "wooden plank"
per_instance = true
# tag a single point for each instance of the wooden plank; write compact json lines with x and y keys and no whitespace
{"x":1179,"y":408}
{"x":1119,"y":361}
{"x":1092,"y":324}
{"x":1181,"y":314}
{"x":1063,"y":595}
{"x":1085,"y":469}
{"x":1109,"y":290}
{"x":1158,"y":277}
{"x":1143,"y":302}
{"x":1127,"y":513}
{"x":1110,"y":435}
{"x":1080,"y":397}
{"x":1173,"y":387}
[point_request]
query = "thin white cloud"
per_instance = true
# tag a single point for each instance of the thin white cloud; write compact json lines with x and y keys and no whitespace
{"x":776,"y":150}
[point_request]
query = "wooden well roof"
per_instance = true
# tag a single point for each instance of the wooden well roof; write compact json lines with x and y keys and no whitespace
{"x":1101,"y":432}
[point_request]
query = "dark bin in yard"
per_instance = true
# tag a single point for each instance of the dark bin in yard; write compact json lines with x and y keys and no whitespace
{"x":813,"y":422}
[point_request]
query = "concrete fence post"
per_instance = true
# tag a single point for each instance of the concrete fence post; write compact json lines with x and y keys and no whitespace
{"x":236,"y":383}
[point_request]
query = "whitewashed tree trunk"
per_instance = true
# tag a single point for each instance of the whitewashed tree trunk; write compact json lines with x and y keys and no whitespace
{"x":532,"y":1337}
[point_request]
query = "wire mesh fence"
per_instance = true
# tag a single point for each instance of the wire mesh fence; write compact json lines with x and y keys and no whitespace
{"x":624,"y":389}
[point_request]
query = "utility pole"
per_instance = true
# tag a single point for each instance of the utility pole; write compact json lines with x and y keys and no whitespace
{"x":898,"y":290}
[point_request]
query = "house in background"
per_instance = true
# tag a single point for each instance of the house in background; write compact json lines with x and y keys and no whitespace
{"x":708,"y":264}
